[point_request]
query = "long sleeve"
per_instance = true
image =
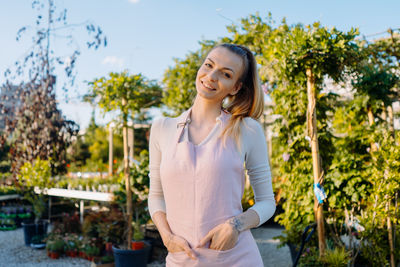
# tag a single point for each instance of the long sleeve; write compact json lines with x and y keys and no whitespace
{"x":156,"y":200}
{"x":258,"y":169}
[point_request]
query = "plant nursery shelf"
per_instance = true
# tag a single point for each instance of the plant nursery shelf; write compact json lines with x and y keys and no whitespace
{"x":8,"y":197}
{"x":79,"y":194}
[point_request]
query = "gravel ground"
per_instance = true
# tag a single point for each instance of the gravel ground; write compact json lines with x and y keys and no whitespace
{"x":271,"y":255}
{"x":13,"y":252}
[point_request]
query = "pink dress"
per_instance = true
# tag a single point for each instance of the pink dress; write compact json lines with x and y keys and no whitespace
{"x":203,"y":186}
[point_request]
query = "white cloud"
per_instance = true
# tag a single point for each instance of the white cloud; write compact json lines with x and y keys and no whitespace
{"x":134,"y":1}
{"x":113,"y":61}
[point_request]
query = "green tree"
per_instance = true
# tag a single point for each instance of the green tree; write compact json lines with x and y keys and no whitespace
{"x":38,"y":128}
{"x":376,"y":80}
{"x":128,"y":95}
{"x":32,"y":176}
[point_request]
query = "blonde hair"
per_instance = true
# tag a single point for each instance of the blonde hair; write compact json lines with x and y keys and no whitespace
{"x":249,"y":101}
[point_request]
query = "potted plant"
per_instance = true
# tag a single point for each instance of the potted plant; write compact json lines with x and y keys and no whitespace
{"x":137,"y":242}
{"x":23,"y":214}
{"x":55,"y":246}
{"x":71,"y":245}
{"x":124,"y":256}
{"x":84,"y":242}
{"x":92,"y":250}
{"x":111,"y":229}
{"x":35,"y":178}
{"x":38,"y":241}
{"x":128,"y":94}
{"x":138,"y":250}
{"x":7,"y":224}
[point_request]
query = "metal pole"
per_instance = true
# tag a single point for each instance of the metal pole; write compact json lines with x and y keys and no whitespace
{"x":82,"y":210}
{"x":49,"y":208}
{"x":110,"y":149}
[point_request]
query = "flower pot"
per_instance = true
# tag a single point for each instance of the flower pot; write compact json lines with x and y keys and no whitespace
{"x":32,"y":229}
{"x":137,"y":245}
{"x":128,"y":258}
{"x":294,"y":250}
{"x":152,"y":242}
{"x":54,"y":255}
{"x":73,"y":253}
{"x":109,"y":247}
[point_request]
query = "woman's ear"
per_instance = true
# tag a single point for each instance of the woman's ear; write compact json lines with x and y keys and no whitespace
{"x":237,"y":88}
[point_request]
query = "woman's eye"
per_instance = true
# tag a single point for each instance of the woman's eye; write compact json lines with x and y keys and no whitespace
{"x":227,"y":75}
{"x":208,"y":65}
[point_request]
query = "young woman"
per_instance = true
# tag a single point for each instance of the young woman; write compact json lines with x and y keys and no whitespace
{"x":198,"y":162}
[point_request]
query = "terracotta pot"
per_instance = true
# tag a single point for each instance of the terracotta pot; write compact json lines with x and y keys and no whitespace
{"x":82,"y":254}
{"x":54,"y":255}
{"x":137,"y":245}
{"x":71,"y":253}
{"x":109,"y":247}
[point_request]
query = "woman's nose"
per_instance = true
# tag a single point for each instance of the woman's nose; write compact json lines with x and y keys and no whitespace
{"x":212,"y":75}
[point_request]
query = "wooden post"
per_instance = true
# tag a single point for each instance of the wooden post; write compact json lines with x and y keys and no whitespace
{"x":110,"y":149}
{"x":392,"y":228}
{"x":312,"y":128}
{"x":390,"y":236}
{"x":388,"y":219}
{"x":131,"y":140}
{"x":127,"y":180}
{"x":391,"y":121}
{"x":371,"y":121}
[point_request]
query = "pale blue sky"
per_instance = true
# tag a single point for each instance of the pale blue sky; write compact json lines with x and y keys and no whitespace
{"x":145,"y":35}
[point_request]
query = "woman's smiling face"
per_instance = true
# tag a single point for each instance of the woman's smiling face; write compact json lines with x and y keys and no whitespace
{"x":219,"y":74}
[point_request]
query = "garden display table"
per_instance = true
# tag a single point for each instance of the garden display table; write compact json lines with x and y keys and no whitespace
{"x":77,"y":194}
{"x":9,"y":197}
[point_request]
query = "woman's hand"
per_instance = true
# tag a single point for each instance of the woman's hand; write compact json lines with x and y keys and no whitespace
{"x":221,"y":237}
{"x":176,"y":244}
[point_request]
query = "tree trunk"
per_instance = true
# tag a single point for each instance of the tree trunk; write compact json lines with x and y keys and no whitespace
{"x":312,"y":127}
{"x":371,"y":120}
{"x":388,"y":219}
{"x":391,"y":121}
{"x":127,"y":180}
{"x":390,"y":236}
{"x":110,"y":150}
{"x":374,"y":148}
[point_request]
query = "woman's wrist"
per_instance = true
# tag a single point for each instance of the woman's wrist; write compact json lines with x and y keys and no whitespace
{"x":244,"y":221}
{"x":236,"y":223}
{"x":166,"y":237}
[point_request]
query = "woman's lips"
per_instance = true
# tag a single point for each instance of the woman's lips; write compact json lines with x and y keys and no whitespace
{"x":206,"y":85}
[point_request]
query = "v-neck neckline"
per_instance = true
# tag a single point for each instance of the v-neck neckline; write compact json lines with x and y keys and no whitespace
{"x":218,"y":120}
{"x":209,"y":135}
